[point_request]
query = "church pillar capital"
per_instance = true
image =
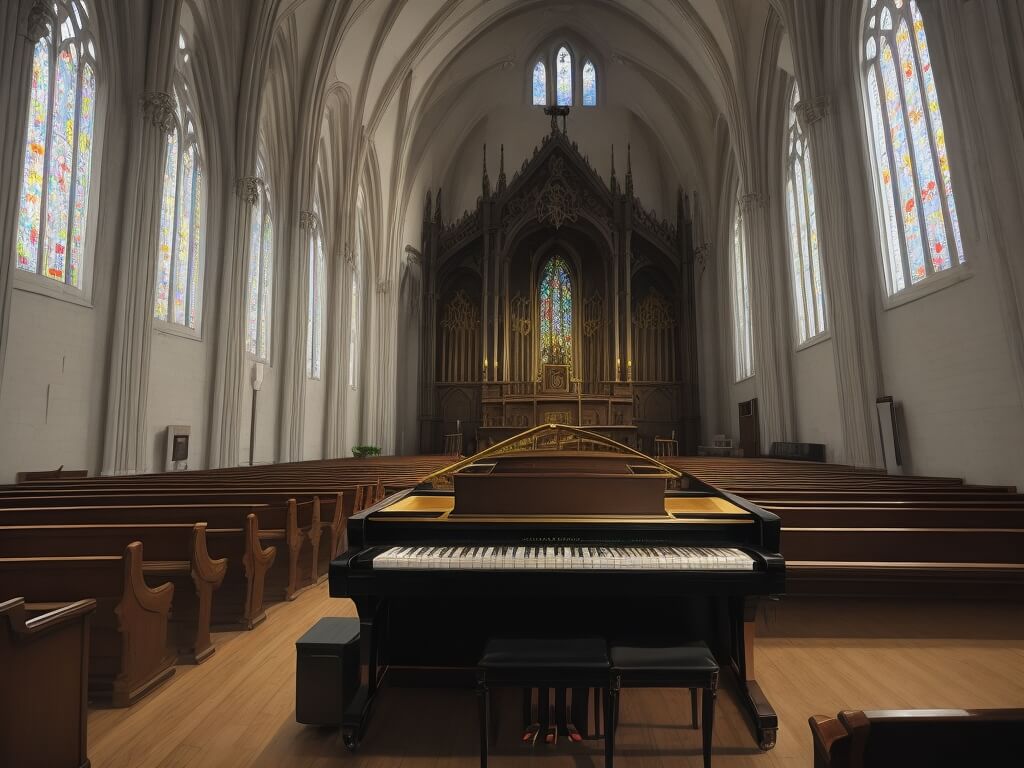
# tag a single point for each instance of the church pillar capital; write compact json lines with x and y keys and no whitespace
{"x":753,"y":201}
{"x":248,"y":189}
{"x":308,"y":220}
{"x":40,"y":19}
{"x":158,"y":107}
{"x":811,"y":111}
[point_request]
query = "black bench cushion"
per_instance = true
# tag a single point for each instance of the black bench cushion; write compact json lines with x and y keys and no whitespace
{"x":331,"y":632}
{"x":545,"y":653}
{"x":688,"y":657}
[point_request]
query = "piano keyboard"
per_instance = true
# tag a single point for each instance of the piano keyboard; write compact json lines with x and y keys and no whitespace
{"x":509,"y":558}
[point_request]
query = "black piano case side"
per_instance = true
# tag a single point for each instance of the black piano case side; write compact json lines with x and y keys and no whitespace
{"x":326,"y":670}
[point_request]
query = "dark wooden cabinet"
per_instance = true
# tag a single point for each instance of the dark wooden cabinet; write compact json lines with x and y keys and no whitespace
{"x":750,"y":429}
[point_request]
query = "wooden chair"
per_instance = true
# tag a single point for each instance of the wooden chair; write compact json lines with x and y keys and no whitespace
{"x":681,"y":666}
{"x":45,"y":663}
{"x":453,"y":444}
{"x":666,"y":446}
{"x":937,"y":738}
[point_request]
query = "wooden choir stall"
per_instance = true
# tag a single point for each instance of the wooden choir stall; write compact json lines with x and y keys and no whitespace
{"x":560,"y":300}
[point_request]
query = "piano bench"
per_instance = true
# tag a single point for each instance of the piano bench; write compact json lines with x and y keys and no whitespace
{"x":550,"y":662}
{"x":690,"y":665}
{"x":326,"y":670}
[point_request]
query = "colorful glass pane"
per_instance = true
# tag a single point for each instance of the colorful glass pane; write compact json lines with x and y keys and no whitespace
{"x":589,"y":85}
{"x":930,"y":196}
{"x":540,"y":85}
{"x":166,"y":242}
{"x":796,"y":248}
{"x":31,"y":203}
{"x":895,"y":272}
{"x":556,"y":312}
{"x":180,"y":282}
{"x":563,"y":74}
{"x":60,"y":170}
{"x":267,"y":276}
{"x":935,"y":115}
{"x":818,"y":291}
{"x":196,"y":245}
{"x":83,"y":174}
{"x":310,"y":308}
{"x":253,"y":300}
{"x":741,"y":302}
{"x":904,"y":165}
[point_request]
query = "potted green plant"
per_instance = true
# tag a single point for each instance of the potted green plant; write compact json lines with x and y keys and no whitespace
{"x":362,"y":451}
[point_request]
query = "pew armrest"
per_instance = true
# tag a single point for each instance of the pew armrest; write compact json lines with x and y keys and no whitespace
{"x":205,"y":568}
{"x":831,"y":742}
{"x":154,"y":599}
{"x":14,"y":611}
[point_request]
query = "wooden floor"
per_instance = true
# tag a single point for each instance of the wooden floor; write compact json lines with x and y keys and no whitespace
{"x":814,"y":657}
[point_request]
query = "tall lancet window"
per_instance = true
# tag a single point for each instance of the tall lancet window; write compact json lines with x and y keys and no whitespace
{"x":804,"y":255}
{"x":354,"y":303}
{"x":179,"y":257}
{"x":540,"y":84}
{"x":589,"y":84}
{"x":56,"y":177}
{"x":555,"y":311}
{"x":315,"y":296}
{"x":921,"y":232}
{"x":261,"y":275}
{"x":563,"y":77}
{"x":739,"y":279}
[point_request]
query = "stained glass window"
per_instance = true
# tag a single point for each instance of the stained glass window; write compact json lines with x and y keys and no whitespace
{"x":540,"y":84}
{"x":315,"y":303}
{"x":589,"y":84}
{"x":180,"y":248}
{"x":53,"y":209}
{"x":260,"y":275}
{"x":563,"y":77}
{"x":804,"y":254}
{"x":556,"y":312}
{"x":739,"y":279}
{"x":921,"y":231}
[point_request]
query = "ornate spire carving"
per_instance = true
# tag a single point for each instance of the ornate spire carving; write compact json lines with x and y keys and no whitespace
{"x":629,"y":170}
{"x":437,"y":209}
{"x":308,"y":220}
{"x":613,"y":183}
{"x":810,"y":111}
{"x":158,"y":107}
{"x":486,"y":181}
{"x":41,"y":19}
{"x":428,"y":207}
{"x":502,"y":181}
{"x":248,"y":189}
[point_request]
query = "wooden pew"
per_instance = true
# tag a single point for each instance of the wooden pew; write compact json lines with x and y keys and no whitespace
{"x":45,"y":662}
{"x":174,"y":552}
{"x":233,"y":533}
{"x":903,"y":738}
{"x":128,"y":644}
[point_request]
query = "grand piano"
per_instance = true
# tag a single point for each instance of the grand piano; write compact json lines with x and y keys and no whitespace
{"x":556,"y":531}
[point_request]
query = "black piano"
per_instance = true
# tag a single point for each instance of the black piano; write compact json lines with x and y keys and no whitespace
{"x":555,"y":531}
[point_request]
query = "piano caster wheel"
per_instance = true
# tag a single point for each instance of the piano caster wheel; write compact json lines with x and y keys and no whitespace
{"x":767,"y":740}
{"x":351,"y":741}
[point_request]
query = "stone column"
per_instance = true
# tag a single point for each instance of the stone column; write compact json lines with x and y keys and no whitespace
{"x":767,"y":310}
{"x":380,"y":355}
{"x":338,"y":357}
{"x":852,"y":334}
{"x":23,"y":23}
{"x":230,"y":371}
{"x":293,"y":380}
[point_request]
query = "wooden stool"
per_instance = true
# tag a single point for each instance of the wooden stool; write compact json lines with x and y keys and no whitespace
{"x":542,"y":663}
{"x":691,"y":665}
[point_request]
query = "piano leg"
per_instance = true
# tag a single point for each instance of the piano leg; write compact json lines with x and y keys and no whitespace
{"x":357,"y":715}
{"x":760,"y":712}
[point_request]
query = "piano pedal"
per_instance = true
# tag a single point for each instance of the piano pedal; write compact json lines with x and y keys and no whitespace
{"x":551,"y":737}
{"x":573,"y":733}
{"x":531,"y":733}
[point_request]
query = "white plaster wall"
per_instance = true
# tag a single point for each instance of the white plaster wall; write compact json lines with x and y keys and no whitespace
{"x":52,"y":399}
{"x":178,"y":382}
{"x":815,"y":397}
{"x":946,"y":360}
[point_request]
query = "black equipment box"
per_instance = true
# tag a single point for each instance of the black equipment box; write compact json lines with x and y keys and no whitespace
{"x":326,"y":670}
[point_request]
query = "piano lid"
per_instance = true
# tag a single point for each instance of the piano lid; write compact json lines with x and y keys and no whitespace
{"x":552,"y":450}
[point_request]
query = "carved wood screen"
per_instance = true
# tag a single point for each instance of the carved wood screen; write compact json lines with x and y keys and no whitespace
{"x":655,"y":352}
{"x":521,"y":346}
{"x":593,"y":341}
{"x":461,"y":353}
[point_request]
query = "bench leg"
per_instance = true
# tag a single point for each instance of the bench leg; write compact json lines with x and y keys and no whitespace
{"x":483,"y":706}
{"x":708,"y":695}
{"x":693,"y":708}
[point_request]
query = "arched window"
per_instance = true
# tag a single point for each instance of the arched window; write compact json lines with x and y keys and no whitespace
{"x":540,"y":84}
{"x":261,"y":275}
{"x":804,"y":256}
{"x":739,"y":278}
{"x":316,"y":297}
{"x":53,"y":213}
{"x":556,"y":311}
{"x":589,"y":84}
{"x":179,"y":263}
{"x":354,"y":308}
{"x":921,"y":233}
{"x":563,"y":77}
